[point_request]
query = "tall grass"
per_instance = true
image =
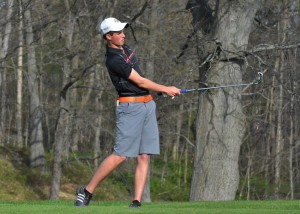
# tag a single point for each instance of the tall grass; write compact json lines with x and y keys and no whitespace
{"x":229,"y":207}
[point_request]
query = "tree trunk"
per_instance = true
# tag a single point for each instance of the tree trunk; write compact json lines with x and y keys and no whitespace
{"x":220,"y":122}
{"x":219,"y":135}
{"x":98,"y":122}
{"x":62,"y":131}
{"x":291,"y":144}
{"x":72,"y":137}
{"x":279,"y":138}
{"x":19,"y":142}
{"x":60,"y":136}
{"x":3,"y":53}
{"x":176,"y":145}
{"x":186,"y":148}
{"x":293,"y":116}
{"x":293,"y":111}
{"x":269,"y":140}
{"x":167,"y":145}
{"x":151,"y":42}
{"x":279,"y":70}
{"x":146,"y":197}
{"x":37,"y":153}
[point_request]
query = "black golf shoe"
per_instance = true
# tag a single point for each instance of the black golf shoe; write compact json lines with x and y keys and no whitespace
{"x":135,"y":204}
{"x":83,"y":197}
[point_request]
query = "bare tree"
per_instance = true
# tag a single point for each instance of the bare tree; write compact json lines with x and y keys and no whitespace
{"x":220,"y":122}
{"x":280,"y":70}
{"x":20,"y":80}
{"x":63,"y":121}
{"x":37,"y":153}
{"x":4,"y":42}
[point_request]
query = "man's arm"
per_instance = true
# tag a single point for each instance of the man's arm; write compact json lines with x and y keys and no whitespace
{"x":150,"y":85}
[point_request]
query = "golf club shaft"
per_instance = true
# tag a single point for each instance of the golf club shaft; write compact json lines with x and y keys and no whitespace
{"x":255,"y":82}
{"x":212,"y":87}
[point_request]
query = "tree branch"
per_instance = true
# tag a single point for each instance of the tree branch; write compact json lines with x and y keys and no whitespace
{"x":63,"y":92}
{"x":140,"y":12}
{"x":267,"y":47}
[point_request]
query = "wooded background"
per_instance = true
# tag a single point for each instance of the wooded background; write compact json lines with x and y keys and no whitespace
{"x":241,"y":143}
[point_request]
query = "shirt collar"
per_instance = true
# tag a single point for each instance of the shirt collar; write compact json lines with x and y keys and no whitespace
{"x":113,"y":50}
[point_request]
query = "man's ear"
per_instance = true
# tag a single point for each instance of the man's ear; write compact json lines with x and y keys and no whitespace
{"x":108,"y":36}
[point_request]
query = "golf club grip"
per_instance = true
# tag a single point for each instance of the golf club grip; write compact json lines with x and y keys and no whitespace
{"x":182,"y":91}
{"x":161,"y":94}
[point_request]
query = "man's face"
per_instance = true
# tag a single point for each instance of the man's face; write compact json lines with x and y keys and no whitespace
{"x":116,"y":39}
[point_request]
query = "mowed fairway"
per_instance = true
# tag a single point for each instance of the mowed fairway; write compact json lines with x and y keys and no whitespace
{"x":229,"y":207}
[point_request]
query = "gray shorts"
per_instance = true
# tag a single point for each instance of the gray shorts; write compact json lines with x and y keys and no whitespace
{"x":136,"y":129}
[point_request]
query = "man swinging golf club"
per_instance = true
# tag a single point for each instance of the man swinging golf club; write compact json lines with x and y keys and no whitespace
{"x":136,"y":125}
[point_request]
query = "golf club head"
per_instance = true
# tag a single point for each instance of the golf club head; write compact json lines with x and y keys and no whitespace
{"x":259,"y":78}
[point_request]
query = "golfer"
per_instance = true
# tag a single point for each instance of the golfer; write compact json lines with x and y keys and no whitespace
{"x":136,"y":125}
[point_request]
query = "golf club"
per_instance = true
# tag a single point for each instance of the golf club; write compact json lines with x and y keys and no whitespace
{"x":256,"y":81}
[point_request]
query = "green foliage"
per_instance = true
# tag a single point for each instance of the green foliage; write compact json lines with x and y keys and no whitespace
{"x":30,"y":184}
{"x":72,"y":170}
{"x":171,"y":186}
{"x":260,"y":189}
{"x":20,"y":183}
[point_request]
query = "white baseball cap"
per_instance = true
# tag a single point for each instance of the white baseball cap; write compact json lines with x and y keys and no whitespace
{"x":111,"y":24}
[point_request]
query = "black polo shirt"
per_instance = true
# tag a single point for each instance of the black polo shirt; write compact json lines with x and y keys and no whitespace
{"x":119,"y":67}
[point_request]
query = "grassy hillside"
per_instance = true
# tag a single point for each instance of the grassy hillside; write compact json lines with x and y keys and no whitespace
{"x":13,"y":183}
{"x":19,"y":182}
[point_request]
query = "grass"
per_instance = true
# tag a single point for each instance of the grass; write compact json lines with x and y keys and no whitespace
{"x":228,"y":207}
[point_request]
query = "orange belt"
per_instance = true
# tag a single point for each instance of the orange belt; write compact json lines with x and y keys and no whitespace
{"x":140,"y":99}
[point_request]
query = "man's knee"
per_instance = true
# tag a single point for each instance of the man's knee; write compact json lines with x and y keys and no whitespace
{"x":123,"y":158}
{"x":119,"y":158}
{"x":143,"y":158}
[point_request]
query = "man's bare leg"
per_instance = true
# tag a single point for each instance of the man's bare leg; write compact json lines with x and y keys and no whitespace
{"x":141,"y":173}
{"x":106,"y":167}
